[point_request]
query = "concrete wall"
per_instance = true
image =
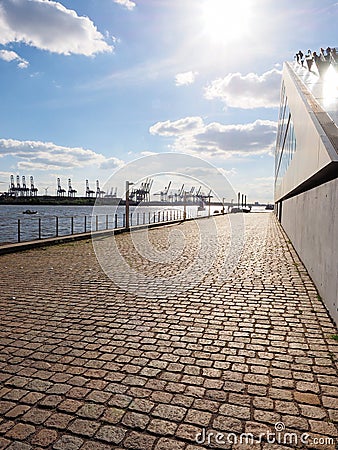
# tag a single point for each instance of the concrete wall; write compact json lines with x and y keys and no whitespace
{"x":311,"y":222}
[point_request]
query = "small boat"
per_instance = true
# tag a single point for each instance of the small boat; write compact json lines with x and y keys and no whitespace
{"x":244,"y":209}
{"x":29,"y":211}
{"x":270,"y":207}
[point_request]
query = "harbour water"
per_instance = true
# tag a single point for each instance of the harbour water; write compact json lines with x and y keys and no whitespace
{"x":52,"y":220}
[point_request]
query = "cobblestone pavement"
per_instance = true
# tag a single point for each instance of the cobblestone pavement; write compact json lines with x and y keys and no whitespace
{"x":87,"y":365}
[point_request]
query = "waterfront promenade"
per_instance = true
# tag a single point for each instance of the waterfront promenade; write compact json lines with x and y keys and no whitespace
{"x":85,"y":364}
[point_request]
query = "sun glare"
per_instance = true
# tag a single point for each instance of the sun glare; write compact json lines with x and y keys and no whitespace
{"x":226,"y":20}
{"x":330,"y":86}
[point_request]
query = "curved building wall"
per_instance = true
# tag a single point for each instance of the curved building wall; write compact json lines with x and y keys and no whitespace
{"x":314,"y":150}
{"x":306,"y":176}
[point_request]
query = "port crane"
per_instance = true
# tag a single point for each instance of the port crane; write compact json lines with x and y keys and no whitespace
{"x":24,"y":189}
{"x":33,"y":189}
{"x":142,"y":194}
{"x":89,"y":192}
{"x":99,"y":191}
{"x":163,"y":194}
{"x":60,"y":192}
{"x":71,"y":191}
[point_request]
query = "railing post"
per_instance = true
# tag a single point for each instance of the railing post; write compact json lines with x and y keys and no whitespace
{"x":124,"y":221}
{"x":19,"y":231}
{"x":107,"y":222}
{"x":39,"y":227}
{"x":158,"y":216}
{"x":131,"y":219}
{"x":115,"y":220}
{"x":144,"y":218}
{"x":56,"y":226}
{"x":72,"y":225}
{"x":85,"y":224}
{"x":138,"y":219}
{"x":149,"y":217}
{"x":97,"y":223}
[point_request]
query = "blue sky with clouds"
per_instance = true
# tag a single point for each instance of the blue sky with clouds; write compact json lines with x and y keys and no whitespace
{"x":89,"y":85}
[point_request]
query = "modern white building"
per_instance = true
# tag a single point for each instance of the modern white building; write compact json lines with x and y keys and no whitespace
{"x":306,"y":171}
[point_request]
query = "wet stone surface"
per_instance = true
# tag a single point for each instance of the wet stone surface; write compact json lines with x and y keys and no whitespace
{"x":87,"y":364}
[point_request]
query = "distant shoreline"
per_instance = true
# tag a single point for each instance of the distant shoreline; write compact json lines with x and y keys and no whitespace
{"x":91,"y":201}
{"x":55,"y":200}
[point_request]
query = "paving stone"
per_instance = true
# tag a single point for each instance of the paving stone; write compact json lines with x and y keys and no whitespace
{"x":17,"y":411}
{"x":36,"y":416}
{"x":175,"y":413}
{"x":113,"y":415}
{"x":111,"y":434}
{"x":240,"y":412}
{"x":19,"y":446}
{"x":142,"y":405}
{"x":50,"y":401}
{"x":68,"y":442}
{"x":20,"y":431}
{"x":91,"y":411}
{"x":93,"y":445}
{"x":44,"y":437}
{"x":84,"y":427}
{"x":312,"y":412}
{"x":4,"y":443}
{"x":70,"y":406}
{"x":6,"y":425}
{"x":323,"y":428}
{"x":188,"y":432}
{"x":135,"y":420}
{"x":112,"y":369}
{"x":224,"y":423}
{"x":169,"y":444}
{"x":59,"y":420}
{"x":162,"y":427}
{"x":139,"y":441}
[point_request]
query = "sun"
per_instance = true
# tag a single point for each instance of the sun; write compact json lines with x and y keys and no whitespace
{"x":226,"y":20}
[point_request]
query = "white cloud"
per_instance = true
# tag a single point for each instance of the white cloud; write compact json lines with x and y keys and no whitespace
{"x":111,"y":163}
{"x":47,"y":155}
{"x":48,"y":25}
{"x":260,"y":188}
{"x":126,"y":3}
{"x":9,"y":56}
{"x":247,"y":91}
{"x":193,"y":136}
{"x":147,"y":153}
{"x":185,"y":78}
{"x":178,"y":127}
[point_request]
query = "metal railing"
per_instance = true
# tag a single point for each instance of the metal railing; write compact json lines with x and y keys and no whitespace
{"x":38,"y":228}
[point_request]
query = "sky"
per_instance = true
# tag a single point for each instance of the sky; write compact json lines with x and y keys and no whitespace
{"x":90,"y":86}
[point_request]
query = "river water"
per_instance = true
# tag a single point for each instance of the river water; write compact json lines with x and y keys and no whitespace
{"x":62,"y":220}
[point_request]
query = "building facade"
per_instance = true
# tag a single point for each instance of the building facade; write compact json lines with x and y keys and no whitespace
{"x":306,"y":172}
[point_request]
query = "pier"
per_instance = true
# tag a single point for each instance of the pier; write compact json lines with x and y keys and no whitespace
{"x":86,"y":364}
